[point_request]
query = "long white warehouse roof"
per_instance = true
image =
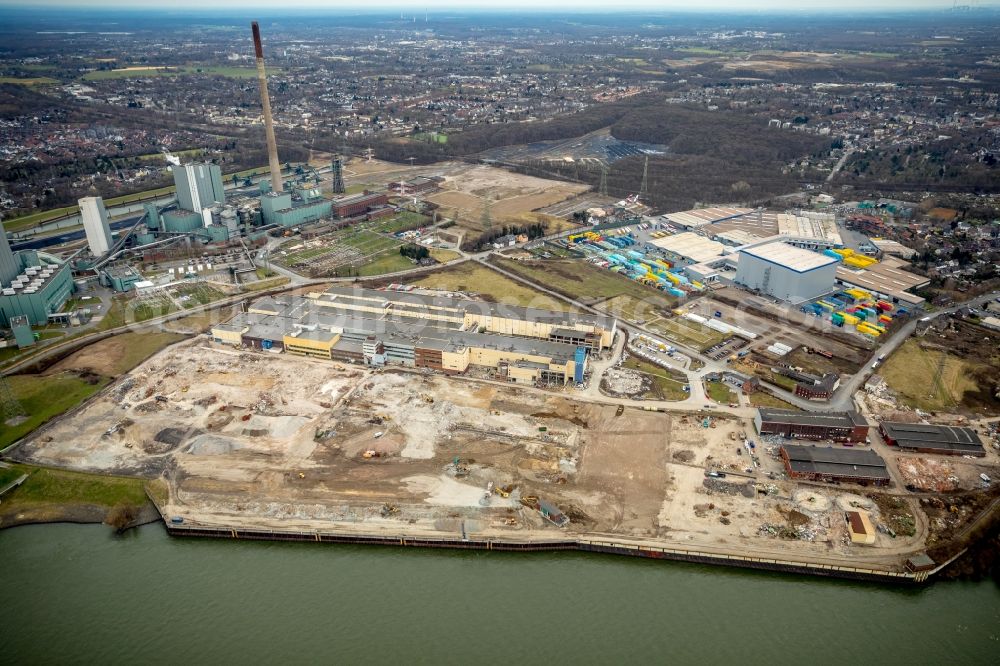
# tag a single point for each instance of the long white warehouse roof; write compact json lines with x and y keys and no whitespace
{"x":690,"y":246}
{"x":791,"y":257}
{"x":699,"y":217}
{"x":815,"y":226}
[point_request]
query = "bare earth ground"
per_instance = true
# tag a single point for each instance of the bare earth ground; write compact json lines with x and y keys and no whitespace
{"x":259,"y":439}
{"x":511,"y":195}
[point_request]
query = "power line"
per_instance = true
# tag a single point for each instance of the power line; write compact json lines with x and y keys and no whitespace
{"x":645,"y":177}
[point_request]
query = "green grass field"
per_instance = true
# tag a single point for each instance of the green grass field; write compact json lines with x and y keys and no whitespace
{"x":124,"y":352}
{"x":266,"y":284}
{"x":358,"y":188}
{"x":43,"y":397}
{"x":584,"y":281}
{"x":123,"y":73}
{"x":228,"y":71}
{"x":720,"y":392}
{"x":10,"y":353}
{"x":689,"y":333}
{"x":124,"y":310}
{"x":471,"y":276}
{"x":633,"y":309}
{"x":780,"y":380}
{"x":765,"y":399}
{"x":667,"y":384}
{"x":52,"y":486}
{"x":403,"y":221}
{"x":147,"y":311}
{"x":10,"y":475}
{"x":367,"y":242}
{"x":187,"y":70}
{"x":29,"y":81}
{"x":390,"y":262}
{"x":431,"y":137}
{"x":27,"y":221}
{"x":161,"y":157}
{"x":444,"y":255}
{"x":200,"y":294}
{"x":912,"y":372}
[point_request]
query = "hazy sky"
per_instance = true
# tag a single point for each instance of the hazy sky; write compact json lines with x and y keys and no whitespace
{"x":417,"y":6}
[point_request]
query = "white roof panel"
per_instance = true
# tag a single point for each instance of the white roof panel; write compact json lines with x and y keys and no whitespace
{"x":791,"y":257}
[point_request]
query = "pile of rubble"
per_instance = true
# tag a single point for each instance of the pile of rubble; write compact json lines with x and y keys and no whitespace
{"x":123,"y":388}
{"x":264,"y":403}
{"x":928,"y":474}
{"x":800,"y":532}
{"x":624,"y":382}
{"x":880,"y":397}
{"x":714,"y":485}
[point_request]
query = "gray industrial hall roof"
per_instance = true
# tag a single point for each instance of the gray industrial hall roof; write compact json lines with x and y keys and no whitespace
{"x":861,"y":463}
{"x":427,"y":335}
{"x":848,"y":419}
{"x":927,"y":436}
{"x":414,"y":301}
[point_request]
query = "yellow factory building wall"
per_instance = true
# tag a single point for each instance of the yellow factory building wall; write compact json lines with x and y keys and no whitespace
{"x":455,"y":361}
{"x":524,"y":329}
{"x":229,"y":337}
{"x":522,"y":375}
{"x":309,"y":347}
{"x":529,"y":329}
{"x":493,"y":357}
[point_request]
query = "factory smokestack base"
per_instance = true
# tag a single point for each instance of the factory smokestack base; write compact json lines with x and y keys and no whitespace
{"x":265,"y":100}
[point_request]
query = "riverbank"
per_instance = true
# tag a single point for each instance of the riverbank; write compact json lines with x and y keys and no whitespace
{"x":541,"y":543}
{"x":78,"y":514}
{"x":57,"y":496}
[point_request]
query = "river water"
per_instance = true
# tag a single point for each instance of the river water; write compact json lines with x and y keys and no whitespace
{"x":79,"y":593}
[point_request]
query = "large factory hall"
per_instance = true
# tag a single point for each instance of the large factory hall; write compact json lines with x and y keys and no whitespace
{"x":378,"y":328}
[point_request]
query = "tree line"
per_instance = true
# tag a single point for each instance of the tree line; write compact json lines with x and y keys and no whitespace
{"x":487,"y":238}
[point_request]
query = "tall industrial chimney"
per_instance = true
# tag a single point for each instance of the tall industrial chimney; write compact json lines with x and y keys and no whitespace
{"x":265,"y":100}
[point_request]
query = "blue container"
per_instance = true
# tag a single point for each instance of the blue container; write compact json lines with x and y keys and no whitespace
{"x":579,"y":358}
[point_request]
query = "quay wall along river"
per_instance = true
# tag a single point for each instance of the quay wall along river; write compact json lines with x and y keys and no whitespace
{"x":81,"y":594}
{"x":583,"y":544}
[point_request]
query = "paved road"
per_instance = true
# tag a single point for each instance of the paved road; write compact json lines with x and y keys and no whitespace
{"x":842,"y":399}
{"x":840,"y":163}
